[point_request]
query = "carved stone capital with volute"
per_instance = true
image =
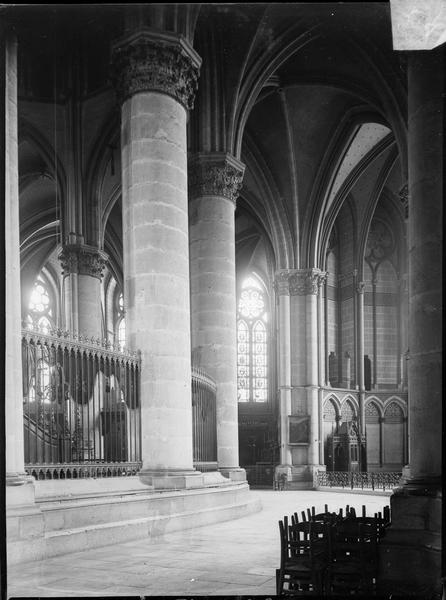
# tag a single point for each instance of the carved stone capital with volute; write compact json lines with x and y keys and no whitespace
{"x":148,"y":61}
{"x":305,"y":282}
{"x":215,"y":174}
{"x":282,"y":282}
{"x":83,"y":260}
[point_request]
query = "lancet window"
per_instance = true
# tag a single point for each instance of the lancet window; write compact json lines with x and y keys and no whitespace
{"x":40,"y":308}
{"x":252,"y":343}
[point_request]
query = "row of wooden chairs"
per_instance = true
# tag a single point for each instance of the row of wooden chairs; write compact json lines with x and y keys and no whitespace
{"x":330,"y":553}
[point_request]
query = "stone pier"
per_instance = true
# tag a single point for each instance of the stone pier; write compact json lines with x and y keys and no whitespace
{"x":411,"y":553}
{"x":82,"y":270}
{"x":215,"y":181}
{"x":155,"y":75}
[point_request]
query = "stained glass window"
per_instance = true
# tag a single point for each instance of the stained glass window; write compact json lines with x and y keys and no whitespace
{"x":40,"y":311}
{"x":40,"y":315}
{"x":252,"y":351}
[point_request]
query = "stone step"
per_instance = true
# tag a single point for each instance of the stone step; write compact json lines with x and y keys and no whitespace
{"x":74,"y":524}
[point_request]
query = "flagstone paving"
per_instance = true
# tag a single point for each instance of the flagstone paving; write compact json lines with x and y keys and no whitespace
{"x":236,"y":557}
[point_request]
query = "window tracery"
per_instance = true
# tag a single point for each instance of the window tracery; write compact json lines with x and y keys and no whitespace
{"x":252,"y":342}
{"x":40,"y":308}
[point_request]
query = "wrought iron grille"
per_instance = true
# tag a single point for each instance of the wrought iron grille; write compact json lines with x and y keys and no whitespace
{"x":81,"y":406}
{"x":204,"y":421}
{"x":376,"y":481}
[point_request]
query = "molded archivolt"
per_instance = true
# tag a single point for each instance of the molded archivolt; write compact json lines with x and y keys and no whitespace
{"x":332,"y":406}
{"x":252,"y":81}
{"x":42,"y":179}
{"x":278,"y":222}
{"x":349,"y":408}
{"x":396,"y":401}
{"x":340,"y":169}
{"x":371,"y":403}
{"x":103,"y":181}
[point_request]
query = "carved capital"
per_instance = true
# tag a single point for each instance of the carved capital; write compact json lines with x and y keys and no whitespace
{"x":155,"y":62}
{"x":305,"y":282}
{"x":360,"y":286}
{"x":404,"y":198}
{"x":322,"y":278}
{"x":83,"y":259}
{"x":282,"y":282}
{"x":215,"y":174}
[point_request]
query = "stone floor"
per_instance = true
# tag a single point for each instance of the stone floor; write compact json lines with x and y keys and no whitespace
{"x":236,"y":557}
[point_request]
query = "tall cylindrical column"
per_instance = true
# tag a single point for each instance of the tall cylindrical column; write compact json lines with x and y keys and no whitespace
{"x":214,"y":184}
{"x":414,"y":537}
{"x":426,"y":108}
{"x":15,"y":467}
{"x":82,"y":270}
{"x":155,"y":75}
{"x":284,"y":360}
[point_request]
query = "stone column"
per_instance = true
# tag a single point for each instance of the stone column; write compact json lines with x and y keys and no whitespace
{"x":15,"y":465}
{"x":360,"y":356}
{"x":321,"y":332}
{"x":214,"y":183}
{"x":304,"y":287}
{"x":82,"y":271}
{"x":155,"y":75}
{"x":24,"y":520}
{"x":411,"y":553}
{"x":284,"y":370}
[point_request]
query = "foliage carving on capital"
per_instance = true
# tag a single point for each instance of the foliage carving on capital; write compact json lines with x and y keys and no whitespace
{"x":215,"y":175}
{"x":360,"y":286}
{"x":282,"y":283}
{"x":404,"y":199}
{"x":322,"y":278}
{"x":156,"y":62}
{"x":305,"y":282}
{"x":83,"y":259}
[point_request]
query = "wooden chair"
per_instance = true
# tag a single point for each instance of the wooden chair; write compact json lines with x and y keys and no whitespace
{"x":353,"y":561}
{"x":303,"y":558}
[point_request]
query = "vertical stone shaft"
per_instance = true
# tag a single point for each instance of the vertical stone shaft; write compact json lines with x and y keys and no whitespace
{"x":82,"y":267}
{"x":215,"y":180}
{"x":321,"y":359}
{"x":414,"y":537}
{"x":425,"y":266}
{"x":155,"y":76}
{"x":360,"y":356}
{"x":13,"y":352}
{"x":304,"y":287}
{"x":312,"y":376}
{"x":284,"y":372}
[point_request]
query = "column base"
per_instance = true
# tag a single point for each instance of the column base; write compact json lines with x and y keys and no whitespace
{"x":168,"y":479}
{"x":25,"y":523}
{"x":16,"y":479}
{"x":233,"y":473}
{"x":410,"y":553}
